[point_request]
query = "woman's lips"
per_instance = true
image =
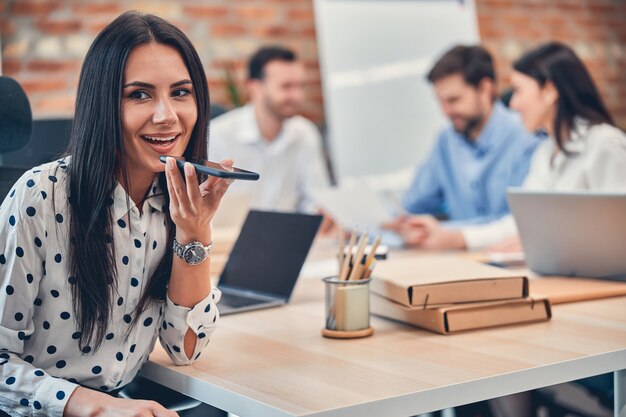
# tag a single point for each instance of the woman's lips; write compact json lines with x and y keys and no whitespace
{"x":161,"y":144}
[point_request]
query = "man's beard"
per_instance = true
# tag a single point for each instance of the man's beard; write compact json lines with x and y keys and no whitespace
{"x":471,"y":124}
{"x":278,"y":112}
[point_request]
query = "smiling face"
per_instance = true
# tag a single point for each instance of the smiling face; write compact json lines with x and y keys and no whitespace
{"x":158,"y":109}
{"x":466,"y":106}
{"x":535,"y":103}
{"x":281,"y":91}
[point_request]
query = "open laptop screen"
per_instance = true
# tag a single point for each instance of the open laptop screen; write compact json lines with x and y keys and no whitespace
{"x":269,"y":252}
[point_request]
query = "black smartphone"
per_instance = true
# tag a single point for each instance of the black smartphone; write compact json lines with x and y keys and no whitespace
{"x":214,"y":169}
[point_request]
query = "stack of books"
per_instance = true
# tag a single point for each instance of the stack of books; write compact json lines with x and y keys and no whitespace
{"x":448,"y":294}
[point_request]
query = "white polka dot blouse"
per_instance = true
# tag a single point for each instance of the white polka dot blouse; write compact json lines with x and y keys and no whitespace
{"x":40,"y":360}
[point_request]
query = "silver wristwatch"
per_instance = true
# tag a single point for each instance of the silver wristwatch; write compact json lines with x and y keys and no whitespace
{"x":193,"y":253}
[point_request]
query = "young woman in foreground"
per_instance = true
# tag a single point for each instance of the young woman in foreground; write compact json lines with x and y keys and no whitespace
{"x":106,"y":249}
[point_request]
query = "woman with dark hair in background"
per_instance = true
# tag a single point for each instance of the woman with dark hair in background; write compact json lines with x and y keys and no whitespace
{"x":553,"y":91}
{"x":103,"y":250}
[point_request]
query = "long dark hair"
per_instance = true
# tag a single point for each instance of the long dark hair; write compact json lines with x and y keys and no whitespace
{"x":578,"y":95}
{"x":97,"y":149}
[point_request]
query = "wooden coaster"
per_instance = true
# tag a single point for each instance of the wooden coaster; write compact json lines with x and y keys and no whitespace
{"x":339,"y":334}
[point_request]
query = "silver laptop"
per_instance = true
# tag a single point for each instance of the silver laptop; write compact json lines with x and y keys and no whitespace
{"x":572,"y":234}
{"x":266,"y":260}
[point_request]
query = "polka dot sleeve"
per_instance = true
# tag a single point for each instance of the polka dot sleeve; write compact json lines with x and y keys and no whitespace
{"x":201,"y":319}
{"x":25,"y":389}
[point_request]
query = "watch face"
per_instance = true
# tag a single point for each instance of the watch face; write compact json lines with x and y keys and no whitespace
{"x":194,"y":254}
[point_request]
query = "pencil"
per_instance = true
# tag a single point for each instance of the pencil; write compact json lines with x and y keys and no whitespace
{"x":359,"y":256}
{"x":369,"y":270}
{"x":372,"y":254}
{"x":346,"y":260}
{"x":342,"y":244}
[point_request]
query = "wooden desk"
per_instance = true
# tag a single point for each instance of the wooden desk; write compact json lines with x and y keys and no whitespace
{"x":275,"y":363}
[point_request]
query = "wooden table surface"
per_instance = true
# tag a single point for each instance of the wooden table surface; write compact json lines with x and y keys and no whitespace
{"x":275,"y":362}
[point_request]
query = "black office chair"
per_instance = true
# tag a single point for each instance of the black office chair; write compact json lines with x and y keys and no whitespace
{"x":49,"y":140}
{"x":16,"y":123}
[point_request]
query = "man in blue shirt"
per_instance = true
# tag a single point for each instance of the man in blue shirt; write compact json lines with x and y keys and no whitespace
{"x":484,"y":150}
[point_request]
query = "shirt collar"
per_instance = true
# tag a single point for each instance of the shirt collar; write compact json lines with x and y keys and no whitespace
{"x":249,"y":130}
{"x":122,"y":202}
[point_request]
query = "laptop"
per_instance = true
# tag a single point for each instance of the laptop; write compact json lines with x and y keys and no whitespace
{"x":573,"y":233}
{"x":266,"y":260}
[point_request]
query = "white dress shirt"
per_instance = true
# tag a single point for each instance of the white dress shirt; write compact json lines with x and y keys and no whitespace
{"x":291,"y":166}
{"x":40,"y":360}
{"x":597,"y":163}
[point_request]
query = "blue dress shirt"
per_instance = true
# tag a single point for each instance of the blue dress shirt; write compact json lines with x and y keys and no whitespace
{"x":466,"y":180}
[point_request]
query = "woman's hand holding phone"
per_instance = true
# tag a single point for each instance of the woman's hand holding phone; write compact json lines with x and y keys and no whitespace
{"x":192,"y":207}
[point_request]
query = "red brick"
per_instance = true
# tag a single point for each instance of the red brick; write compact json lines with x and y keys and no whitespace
{"x":595,"y":34}
{"x":292,"y":2}
{"x":49,"y":65}
{"x":34,"y":7}
{"x":528,"y":33}
{"x":493,"y":9}
{"x":571,"y":3}
{"x":227,"y":30}
{"x":491,"y":31}
{"x":11,"y":67}
{"x":307,"y":32}
{"x":198,"y":11}
{"x":273,"y":31}
{"x":54,"y":104}
{"x":217,"y":83}
{"x":98,"y":8}
{"x":7,"y":27}
{"x":96,"y":27}
{"x":43,"y":86}
{"x":182,"y":24}
{"x":232,"y":64}
{"x":607,"y":8}
{"x":256,"y":13}
{"x":516,"y":21}
{"x":301,"y":14}
{"x":59,"y":27}
{"x":495,"y":2}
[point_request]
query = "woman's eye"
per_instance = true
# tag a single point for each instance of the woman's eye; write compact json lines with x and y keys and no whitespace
{"x":181,"y":93}
{"x":139,"y":95}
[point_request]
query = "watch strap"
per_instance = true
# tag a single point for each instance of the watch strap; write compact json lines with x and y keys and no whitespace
{"x":180,"y":249}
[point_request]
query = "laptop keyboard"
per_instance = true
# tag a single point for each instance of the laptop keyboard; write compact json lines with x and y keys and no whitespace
{"x":233,"y":300}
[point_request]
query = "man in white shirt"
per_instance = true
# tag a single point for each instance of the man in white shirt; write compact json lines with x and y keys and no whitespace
{"x":269,"y":137}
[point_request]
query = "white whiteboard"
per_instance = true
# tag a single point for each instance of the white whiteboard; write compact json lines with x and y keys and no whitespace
{"x":382,"y":114}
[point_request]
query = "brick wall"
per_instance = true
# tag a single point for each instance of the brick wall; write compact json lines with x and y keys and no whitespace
{"x":596,"y":29}
{"x":44,"y":41}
